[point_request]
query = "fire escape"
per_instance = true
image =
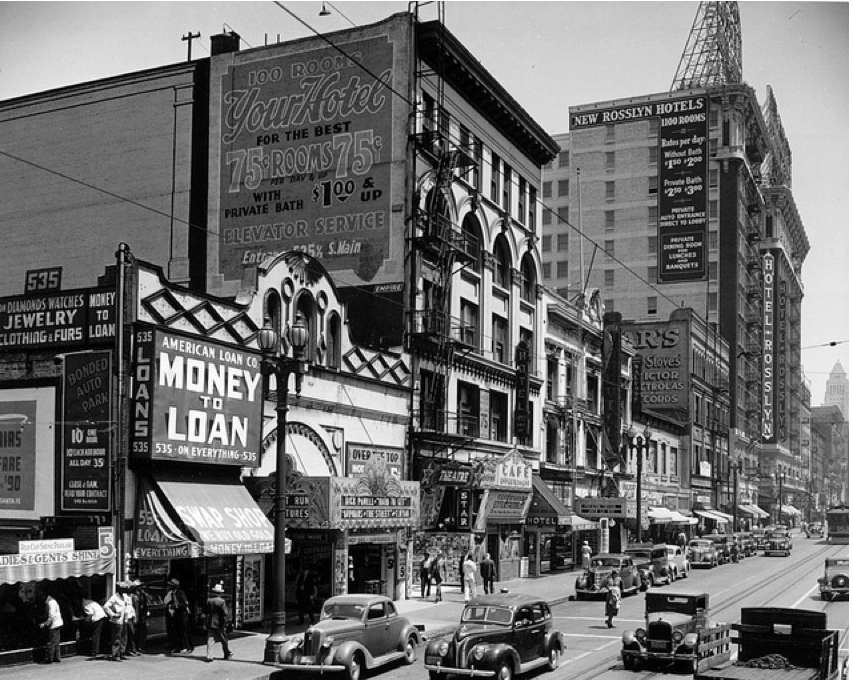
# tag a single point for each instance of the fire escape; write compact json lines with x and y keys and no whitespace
{"x":438,"y":249}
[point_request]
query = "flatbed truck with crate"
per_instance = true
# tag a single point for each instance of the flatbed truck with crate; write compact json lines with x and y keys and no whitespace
{"x":772,"y":643}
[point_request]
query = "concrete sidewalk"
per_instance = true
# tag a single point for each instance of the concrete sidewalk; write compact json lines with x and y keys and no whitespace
{"x":433,"y":619}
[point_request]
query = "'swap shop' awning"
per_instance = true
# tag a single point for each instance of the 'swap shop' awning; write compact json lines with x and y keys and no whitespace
{"x":186,"y":519}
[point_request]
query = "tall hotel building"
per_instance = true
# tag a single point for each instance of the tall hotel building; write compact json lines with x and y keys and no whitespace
{"x":683,"y":199}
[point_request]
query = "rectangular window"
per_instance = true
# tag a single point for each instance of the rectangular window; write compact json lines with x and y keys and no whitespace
{"x":609,"y":278}
{"x":468,"y":409}
{"x":546,"y":189}
{"x":654,"y":126}
{"x":507,"y":188}
{"x":610,"y":190}
{"x":563,"y":159}
{"x":465,"y":145}
{"x":499,"y":339}
{"x":546,"y":270}
{"x":713,"y":209}
{"x":609,"y":247}
{"x":562,"y":270}
{"x":610,"y":161}
{"x":498,"y":416}
{"x":653,"y":215}
{"x":563,"y":214}
{"x":712,"y":271}
{"x":712,"y":147}
{"x":712,"y":302}
{"x":547,"y":215}
{"x":652,"y":274}
{"x":548,"y":165}
{"x":610,"y":220}
{"x":653,"y":185}
{"x":496,"y":176}
{"x":653,"y":245}
{"x":652,"y":305}
{"x":562,"y":242}
{"x":546,"y":244}
{"x":563,"y":187}
{"x":610,"y":133}
{"x":429,"y":112}
{"x":444,"y":123}
{"x":476,"y":180}
{"x":532,"y":208}
{"x":608,"y":305}
{"x":714,"y":178}
{"x":522,"y":196}
{"x":714,"y":117}
{"x":713,"y":242}
{"x":653,"y":155}
{"x":469,"y":332}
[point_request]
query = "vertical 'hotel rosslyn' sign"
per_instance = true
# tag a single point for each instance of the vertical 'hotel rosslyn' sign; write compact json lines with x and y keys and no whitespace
{"x":768,"y":347}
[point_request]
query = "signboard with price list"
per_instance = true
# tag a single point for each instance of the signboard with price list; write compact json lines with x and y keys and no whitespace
{"x":194,"y":400}
{"x":86,"y":432}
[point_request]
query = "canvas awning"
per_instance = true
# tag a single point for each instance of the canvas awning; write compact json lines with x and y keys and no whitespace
{"x":678,"y":518}
{"x":726,"y":516}
{"x":749,"y":510}
{"x":790,"y":510}
{"x":23,"y":568}
{"x":659,"y":515}
{"x":188,"y":519}
{"x":546,"y":508}
{"x":710,"y":514}
{"x":761,"y":513}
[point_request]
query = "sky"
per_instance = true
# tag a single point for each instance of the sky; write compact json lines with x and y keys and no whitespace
{"x":548,"y":56}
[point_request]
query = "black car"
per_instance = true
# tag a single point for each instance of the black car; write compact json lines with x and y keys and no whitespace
{"x":499,"y":636}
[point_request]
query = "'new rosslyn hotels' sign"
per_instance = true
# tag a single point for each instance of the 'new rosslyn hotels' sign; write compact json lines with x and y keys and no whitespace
{"x":195,"y":400}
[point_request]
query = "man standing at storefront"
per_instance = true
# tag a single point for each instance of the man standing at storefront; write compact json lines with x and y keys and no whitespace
{"x":469,"y":578}
{"x":487,"y":571}
{"x":141,"y":603}
{"x":218,"y":616}
{"x":116,"y":609}
{"x":54,"y":624}
{"x":178,"y":618}
{"x":95,"y":617}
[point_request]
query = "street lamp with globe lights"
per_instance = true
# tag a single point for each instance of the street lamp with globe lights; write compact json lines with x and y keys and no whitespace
{"x":282,"y":367}
{"x":641,"y":453}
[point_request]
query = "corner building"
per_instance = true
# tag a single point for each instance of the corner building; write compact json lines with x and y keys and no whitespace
{"x":691,"y":189}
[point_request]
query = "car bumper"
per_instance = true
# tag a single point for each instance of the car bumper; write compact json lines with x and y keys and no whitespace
{"x":701,"y":563}
{"x":777,"y":551}
{"x":467,"y":672}
{"x":646,"y":654}
{"x":312,"y":667}
{"x":835,"y":591}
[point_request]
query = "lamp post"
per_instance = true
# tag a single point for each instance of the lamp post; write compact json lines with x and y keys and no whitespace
{"x":273,"y":363}
{"x":641,"y":454}
{"x":781,"y":481}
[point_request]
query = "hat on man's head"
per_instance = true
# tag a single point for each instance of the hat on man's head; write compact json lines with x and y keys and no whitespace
{"x":217,"y":588}
{"x":175,"y":583}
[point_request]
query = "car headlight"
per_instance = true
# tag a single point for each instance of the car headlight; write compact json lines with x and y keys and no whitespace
{"x":640,"y":634}
{"x":327,"y":642}
{"x":443,"y":648}
{"x":479,"y":652}
{"x":677,"y":636}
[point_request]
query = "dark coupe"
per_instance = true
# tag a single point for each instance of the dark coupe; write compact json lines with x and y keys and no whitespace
{"x":499,"y":636}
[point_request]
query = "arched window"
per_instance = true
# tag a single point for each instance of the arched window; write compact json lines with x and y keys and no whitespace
{"x":503,"y":265}
{"x":333,"y":342}
{"x":472,"y":238}
{"x":528,"y":279}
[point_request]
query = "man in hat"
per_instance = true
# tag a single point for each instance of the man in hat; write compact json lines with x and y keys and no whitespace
{"x":141,"y":602}
{"x":116,"y":609}
{"x":178,"y":618}
{"x":218,"y":621}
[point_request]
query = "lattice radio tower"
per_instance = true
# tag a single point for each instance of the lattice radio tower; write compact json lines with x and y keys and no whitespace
{"x":712,"y":55}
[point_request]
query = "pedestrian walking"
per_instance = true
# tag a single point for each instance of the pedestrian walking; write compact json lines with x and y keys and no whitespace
{"x":94,"y":615}
{"x":487,"y":571}
{"x":218,"y":621}
{"x":586,"y":555}
{"x":469,"y":571}
{"x":178,"y":613}
{"x":612,"y":604}
{"x":439,"y":574}
{"x":53,"y":623}
{"x":426,"y":574}
{"x":306,"y":593}
{"x":462,"y":572}
{"x":130,"y":623}
{"x":681,"y":541}
{"x":116,"y":610}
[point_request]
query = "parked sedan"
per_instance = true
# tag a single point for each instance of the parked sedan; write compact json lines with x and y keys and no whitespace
{"x":355,"y":633}
{"x":835,"y":581}
{"x":498,"y":636}
{"x":678,"y":564}
{"x":702,"y":552}
{"x":592,"y":581}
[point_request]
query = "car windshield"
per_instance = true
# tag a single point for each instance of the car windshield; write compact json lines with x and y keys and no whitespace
{"x":700,"y":544}
{"x":487,"y":614}
{"x":645,"y":554}
{"x":777,"y":534}
{"x":837,"y":563}
{"x":342,"y":610}
{"x":605,"y":562}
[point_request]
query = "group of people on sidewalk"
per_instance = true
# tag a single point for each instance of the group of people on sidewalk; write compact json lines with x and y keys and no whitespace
{"x":433,"y":572}
{"x":126,"y":612}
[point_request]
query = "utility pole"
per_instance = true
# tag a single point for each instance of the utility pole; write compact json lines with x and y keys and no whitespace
{"x":188,"y":39}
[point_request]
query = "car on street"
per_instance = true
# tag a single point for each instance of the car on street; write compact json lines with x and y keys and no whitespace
{"x":652,"y":561}
{"x":593,"y":580}
{"x":835,"y":581}
{"x":747,"y":543}
{"x":498,"y":636}
{"x":702,"y":552}
{"x":355,"y":633}
{"x":777,"y":543}
{"x":674,"y":620}
{"x":814,"y":530}
{"x":759,"y":536}
{"x":678,"y":564}
{"x":724,"y":543}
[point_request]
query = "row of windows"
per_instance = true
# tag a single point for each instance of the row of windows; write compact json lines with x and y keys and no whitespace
{"x":520,"y":200}
{"x":562,"y":242}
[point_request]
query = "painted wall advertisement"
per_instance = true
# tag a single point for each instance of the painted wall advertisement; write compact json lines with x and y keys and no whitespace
{"x":662,"y":364}
{"x":28,"y":452}
{"x":359,"y":456}
{"x":682,"y":179}
{"x":86,"y":431}
{"x":195,"y":400}
{"x":60,"y":319}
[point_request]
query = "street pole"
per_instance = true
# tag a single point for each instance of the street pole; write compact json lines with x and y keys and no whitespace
{"x":781,"y":480}
{"x":640,"y":457}
{"x":735,"y":496}
{"x":281,"y":367}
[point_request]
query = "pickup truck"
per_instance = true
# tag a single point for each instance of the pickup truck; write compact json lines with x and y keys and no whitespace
{"x":773,"y":642}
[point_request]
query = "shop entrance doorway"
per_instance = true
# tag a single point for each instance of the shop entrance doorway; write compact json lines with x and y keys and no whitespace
{"x":372,"y":568}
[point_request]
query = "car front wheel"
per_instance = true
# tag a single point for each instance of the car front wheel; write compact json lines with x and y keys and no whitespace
{"x":553,"y":658}
{"x":505,"y":672}
{"x":410,"y":651}
{"x":355,"y":667}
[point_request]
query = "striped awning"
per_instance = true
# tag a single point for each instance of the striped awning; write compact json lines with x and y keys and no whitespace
{"x":658,"y":515}
{"x":790,"y":510}
{"x":19,"y":569}
{"x":712,"y":515}
{"x":749,"y":510}
{"x":761,"y":513}
{"x":678,"y":518}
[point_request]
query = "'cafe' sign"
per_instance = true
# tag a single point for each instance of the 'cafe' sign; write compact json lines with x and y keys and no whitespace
{"x":512,"y":473}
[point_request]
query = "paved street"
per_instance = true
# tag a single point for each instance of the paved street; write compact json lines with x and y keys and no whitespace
{"x":592,"y":648}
